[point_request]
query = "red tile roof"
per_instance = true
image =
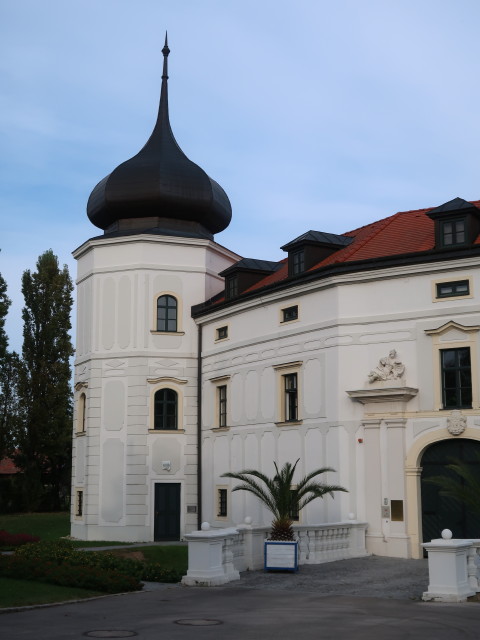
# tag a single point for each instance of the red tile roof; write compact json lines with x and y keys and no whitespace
{"x":7,"y":467}
{"x":402,"y":233}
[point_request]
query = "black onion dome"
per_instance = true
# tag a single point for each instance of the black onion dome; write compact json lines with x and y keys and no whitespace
{"x":160,"y":189}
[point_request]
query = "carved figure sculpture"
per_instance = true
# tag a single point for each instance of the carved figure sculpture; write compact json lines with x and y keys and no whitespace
{"x":389,"y":368}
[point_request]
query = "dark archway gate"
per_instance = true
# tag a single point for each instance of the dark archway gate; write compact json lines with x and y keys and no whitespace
{"x":440,"y":512}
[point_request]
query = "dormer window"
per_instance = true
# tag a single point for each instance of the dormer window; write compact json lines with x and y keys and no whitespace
{"x":457,"y":224}
{"x":453,"y":232}
{"x":246,"y":273}
{"x":309,"y":249}
{"x":298,"y":262}
{"x":231,"y":287}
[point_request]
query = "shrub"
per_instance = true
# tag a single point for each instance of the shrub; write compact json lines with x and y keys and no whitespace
{"x":16,"y":539}
{"x":63,"y":552}
{"x":67,"y":575}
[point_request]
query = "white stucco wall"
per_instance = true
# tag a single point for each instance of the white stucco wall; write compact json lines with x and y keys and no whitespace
{"x":120,"y":361}
{"x":346,"y":324}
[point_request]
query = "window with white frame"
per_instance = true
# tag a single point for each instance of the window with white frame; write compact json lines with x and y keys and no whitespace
{"x":289,"y":314}
{"x":222,"y":502}
{"x":79,"y":505}
{"x":452,"y":289}
{"x":166,"y":404}
{"x":222,"y":405}
{"x":289,"y":402}
{"x":290,"y":388}
{"x":81,"y":413}
{"x":166,"y":410}
{"x":456,"y":378}
{"x":221,"y":333}
{"x":167,"y":314}
{"x":455,"y":368}
{"x":221,"y":402}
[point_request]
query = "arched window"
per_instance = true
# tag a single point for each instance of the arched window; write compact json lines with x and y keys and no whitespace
{"x":166,"y":409}
{"x":166,"y":313}
{"x":82,"y":400}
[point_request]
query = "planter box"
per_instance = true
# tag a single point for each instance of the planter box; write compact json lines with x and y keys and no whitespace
{"x":280,"y":556}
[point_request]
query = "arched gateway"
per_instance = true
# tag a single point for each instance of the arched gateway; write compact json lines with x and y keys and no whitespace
{"x":440,"y":512}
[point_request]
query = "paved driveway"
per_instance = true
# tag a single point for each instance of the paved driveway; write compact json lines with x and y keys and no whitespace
{"x":263,"y":606}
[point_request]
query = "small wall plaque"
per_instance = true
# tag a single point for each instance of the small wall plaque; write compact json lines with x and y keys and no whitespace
{"x":191,"y":508}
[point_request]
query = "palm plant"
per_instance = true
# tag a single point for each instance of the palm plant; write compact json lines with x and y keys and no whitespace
{"x":278,"y":495}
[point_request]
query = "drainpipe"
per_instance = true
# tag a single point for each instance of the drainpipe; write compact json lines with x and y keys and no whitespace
{"x":199,"y":428}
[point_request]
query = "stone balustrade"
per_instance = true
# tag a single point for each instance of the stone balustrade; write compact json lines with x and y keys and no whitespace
{"x":216,"y":556}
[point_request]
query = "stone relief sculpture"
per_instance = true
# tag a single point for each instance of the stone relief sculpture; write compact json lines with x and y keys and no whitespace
{"x":456,"y":423}
{"x":389,"y":368}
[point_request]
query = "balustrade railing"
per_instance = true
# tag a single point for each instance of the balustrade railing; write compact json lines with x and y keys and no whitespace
{"x":242,"y":548}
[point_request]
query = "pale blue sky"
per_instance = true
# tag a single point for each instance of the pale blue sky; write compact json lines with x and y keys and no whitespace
{"x":311,"y":114}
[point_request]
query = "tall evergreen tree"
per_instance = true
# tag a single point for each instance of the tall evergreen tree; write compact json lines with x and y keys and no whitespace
{"x":4,"y":305}
{"x":5,"y":371}
{"x":43,"y":435}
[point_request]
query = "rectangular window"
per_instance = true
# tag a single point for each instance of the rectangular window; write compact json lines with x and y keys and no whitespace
{"x":290,"y":313}
{"x":453,"y":232}
{"x":222,"y":405}
{"x":456,"y":378}
{"x":79,"y":503}
{"x":222,"y":509}
{"x":222,"y":333}
{"x":291,"y":397}
{"x":231,"y":287}
{"x":298,"y":262}
{"x":453,"y":289}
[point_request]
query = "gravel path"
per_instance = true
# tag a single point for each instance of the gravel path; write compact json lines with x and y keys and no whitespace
{"x":372,"y":576}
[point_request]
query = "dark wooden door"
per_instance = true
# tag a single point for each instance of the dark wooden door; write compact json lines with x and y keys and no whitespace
{"x":167,"y":511}
{"x":440,"y":512}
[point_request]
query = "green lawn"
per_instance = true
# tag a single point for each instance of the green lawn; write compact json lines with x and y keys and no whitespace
{"x":48,"y":526}
{"x":20,"y":593}
{"x":170,"y":557}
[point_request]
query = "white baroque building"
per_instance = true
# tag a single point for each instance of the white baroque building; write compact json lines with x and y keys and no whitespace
{"x":358,"y":351}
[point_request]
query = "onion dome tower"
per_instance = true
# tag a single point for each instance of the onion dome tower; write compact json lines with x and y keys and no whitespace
{"x":160,"y":190}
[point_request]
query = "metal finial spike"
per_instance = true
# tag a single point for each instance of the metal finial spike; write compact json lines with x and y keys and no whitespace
{"x":165,"y":49}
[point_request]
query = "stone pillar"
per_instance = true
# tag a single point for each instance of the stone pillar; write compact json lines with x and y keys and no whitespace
{"x":447,"y":569}
{"x":373,"y":482}
{"x":210,"y":561}
{"x":413,"y":509}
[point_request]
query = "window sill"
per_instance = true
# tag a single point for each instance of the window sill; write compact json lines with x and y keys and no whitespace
{"x":79,"y":434}
{"x":289,"y":321}
{"x":167,"y":333}
{"x":220,"y":429}
{"x":288,"y":423}
{"x":166,"y":431}
{"x":221,"y":340}
{"x":446,"y":298}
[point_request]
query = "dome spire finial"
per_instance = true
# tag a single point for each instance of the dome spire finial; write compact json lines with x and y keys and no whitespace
{"x":165,"y":52}
{"x":163,"y":118}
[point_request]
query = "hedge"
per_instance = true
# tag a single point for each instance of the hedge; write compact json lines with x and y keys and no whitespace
{"x":67,"y":575}
{"x":63,"y":552}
